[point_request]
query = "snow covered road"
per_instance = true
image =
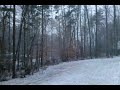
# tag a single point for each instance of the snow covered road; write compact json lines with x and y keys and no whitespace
{"x":85,"y":72}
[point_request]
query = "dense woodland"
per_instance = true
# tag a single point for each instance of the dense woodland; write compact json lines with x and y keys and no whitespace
{"x":35,"y":36}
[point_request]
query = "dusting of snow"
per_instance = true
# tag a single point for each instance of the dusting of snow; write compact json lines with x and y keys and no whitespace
{"x":105,"y":71}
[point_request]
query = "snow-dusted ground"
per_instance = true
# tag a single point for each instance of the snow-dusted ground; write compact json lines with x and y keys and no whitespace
{"x":85,"y":72}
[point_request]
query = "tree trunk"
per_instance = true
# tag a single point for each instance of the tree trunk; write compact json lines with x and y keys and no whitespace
{"x":107,"y":47}
{"x":42,"y":43}
{"x":89,"y":32}
{"x":14,"y":56}
{"x":96,"y":46}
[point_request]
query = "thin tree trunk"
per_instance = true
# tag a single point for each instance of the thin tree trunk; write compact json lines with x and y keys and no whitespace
{"x":42,"y":43}
{"x":9,"y":37}
{"x":14,"y":56}
{"x":96,"y":46}
{"x":114,"y":27}
{"x":84,"y":33}
{"x":24,"y":40}
{"x":81,"y":35}
{"x":107,"y":47}
{"x":77,"y":50}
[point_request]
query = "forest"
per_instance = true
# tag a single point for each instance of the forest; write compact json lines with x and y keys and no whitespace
{"x":33,"y":37}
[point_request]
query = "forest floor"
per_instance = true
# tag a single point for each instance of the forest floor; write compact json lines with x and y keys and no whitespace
{"x":104,"y":71}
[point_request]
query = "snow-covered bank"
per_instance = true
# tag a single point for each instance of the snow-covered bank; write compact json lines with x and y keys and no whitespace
{"x":85,"y":72}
